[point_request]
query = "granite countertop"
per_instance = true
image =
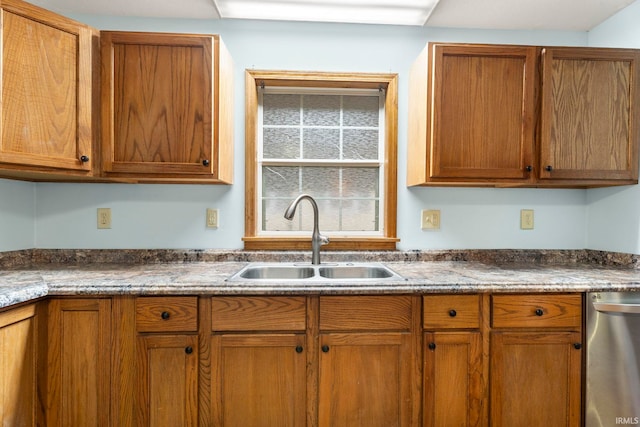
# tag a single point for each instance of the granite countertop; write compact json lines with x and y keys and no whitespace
{"x":23,"y":283}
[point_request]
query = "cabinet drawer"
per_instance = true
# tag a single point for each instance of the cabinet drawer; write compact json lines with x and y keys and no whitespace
{"x":258,"y":313}
{"x":167,"y":314}
{"x":451,"y":312}
{"x":532,"y":311}
{"x":365,"y":313}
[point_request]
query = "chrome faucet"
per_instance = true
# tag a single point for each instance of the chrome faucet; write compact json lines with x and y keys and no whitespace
{"x":317,"y":239}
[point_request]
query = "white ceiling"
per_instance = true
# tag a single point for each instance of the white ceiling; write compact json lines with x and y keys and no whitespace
{"x":574,"y":15}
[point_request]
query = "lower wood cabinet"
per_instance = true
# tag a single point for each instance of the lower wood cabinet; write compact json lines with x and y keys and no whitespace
{"x":453,"y":391}
{"x":502,"y":360}
{"x":536,"y":360}
{"x":317,"y":361}
{"x":167,"y":393}
{"x":18,"y":366}
{"x":367,"y":357}
{"x":79,"y":362}
{"x":259,"y":355}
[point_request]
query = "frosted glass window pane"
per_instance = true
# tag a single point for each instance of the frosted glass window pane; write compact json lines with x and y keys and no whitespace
{"x":360,"y":182}
{"x":360,"y":144}
{"x":329,"y":214}
{"x":279,"y":143}
{"x":280,"y":181}
{"x":273,"y":216}
{"x":321,"y":143}
{"x":361,"y":111}
{"x":281,"y":109}
{"x":321,"y":110}
{"x":321,"y":182}
{"x":359,"y":215}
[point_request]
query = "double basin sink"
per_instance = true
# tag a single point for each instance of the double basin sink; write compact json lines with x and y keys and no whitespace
{"x":320,"y":272}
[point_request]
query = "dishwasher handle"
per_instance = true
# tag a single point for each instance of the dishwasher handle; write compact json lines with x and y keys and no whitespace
{"x":611,"y":307}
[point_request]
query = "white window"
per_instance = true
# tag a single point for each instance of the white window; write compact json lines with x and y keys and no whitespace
{"x":328,"y":143}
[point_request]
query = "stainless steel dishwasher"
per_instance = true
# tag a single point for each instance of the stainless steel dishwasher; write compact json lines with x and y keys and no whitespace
{"x":613,"y":359}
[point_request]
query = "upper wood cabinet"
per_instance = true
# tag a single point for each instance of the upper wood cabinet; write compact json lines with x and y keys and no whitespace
{"x":46,"y":95}
{"x":590,"y":114}
{"x":507,"y":115}
{"x":472,"y":121}
{"x":167,"y":108}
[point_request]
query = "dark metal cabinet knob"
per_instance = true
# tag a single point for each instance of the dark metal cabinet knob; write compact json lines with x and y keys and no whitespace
{"x":299,"y":349}
{"x":325,"y":348}
{"x":577,"y":345}
{"x":188,"y":350}
{"x":84,"y":159}
{"x":205,"y":162}
{"x":165,"y":315}
{"x":453,"y":313}
{"x":548,"y":168}
{"x":539,"y":312}
{"x":529,"y":168}
{"x":432,"y":346}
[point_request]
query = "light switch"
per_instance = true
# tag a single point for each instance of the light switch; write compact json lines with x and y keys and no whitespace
{"x":104,"y":218}
{"x":526,"y":219}
{"x":430,"y":219}
{"x":212,"y":218}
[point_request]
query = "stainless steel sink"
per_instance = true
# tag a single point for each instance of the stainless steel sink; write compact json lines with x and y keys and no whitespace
{"x":308,"y":272}
{"x":281,"y":272}
{"x":355,"y":272}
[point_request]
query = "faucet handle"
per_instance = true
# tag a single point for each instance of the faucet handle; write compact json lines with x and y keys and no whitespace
{"x":324,"y":240}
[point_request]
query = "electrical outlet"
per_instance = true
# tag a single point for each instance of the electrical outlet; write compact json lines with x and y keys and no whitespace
{"x":212,"y":218}
{"x":526,"y":219}
{"x":430,"y":219}
{"x":104,"y":218}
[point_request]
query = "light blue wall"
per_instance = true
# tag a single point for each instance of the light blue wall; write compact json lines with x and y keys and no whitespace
{"x":614,"y":213}
{"x":17,"y":215}
{"x":172,"y":216}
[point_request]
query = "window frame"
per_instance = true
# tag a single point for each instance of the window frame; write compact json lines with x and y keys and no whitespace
{"x":254,"y":79}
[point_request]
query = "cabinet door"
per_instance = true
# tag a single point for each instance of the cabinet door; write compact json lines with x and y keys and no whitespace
{"x":453,"y":390}
{"x":365,"y":379}
{"x":481,"y":110}
{"x":259,"y":380}
{"x":590,"y":114}
{"x":18,"y":356}
{"x":46,"y":89}
{"x":535,"y":379}
{"x":158,"y":104}
{"x":79,"y":375}
{"x":168,"y":380}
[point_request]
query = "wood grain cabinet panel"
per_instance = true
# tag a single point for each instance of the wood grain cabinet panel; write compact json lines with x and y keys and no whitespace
{"x":259,"y":379}
{"x":166,"y":107}
{"x":536,"y":360}
{"x":79,"y":362}
{"x":590,"y":114}
{"x":536,"y":379}
{"x":453,"y":388}
{"x":167,"y":314}
{"x":47,"y":94}
{"x":536,"y":311}
{"x":508,"y":115}
{"x":260,"y":355}
{"x":365,"y":379}
{"x":168,"y":381}
{"x":453,"y":361}
{"x":471,"y":115}
{"x":18,"y":366}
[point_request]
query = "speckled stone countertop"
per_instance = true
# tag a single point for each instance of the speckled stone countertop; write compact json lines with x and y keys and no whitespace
{"x":29,"y":276}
